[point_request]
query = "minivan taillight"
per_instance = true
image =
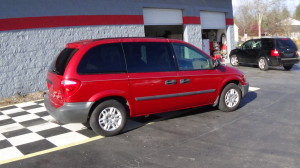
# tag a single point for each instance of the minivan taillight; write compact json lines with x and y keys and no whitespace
{"x":274,"y":53}
{"x":297,"y":53}
{"x":69,"y":87}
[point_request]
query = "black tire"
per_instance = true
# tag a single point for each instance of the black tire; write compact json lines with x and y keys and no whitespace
{"x":234,"y":60}
{"x":87,"y":125}
{"x":230,"y":94}
{"x":288,"y":67}
{"x":112,"y":114}
{"x":263,"y":64}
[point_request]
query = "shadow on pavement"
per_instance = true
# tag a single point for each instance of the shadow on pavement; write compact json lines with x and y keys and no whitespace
{"x":137,"y":122}
{"x":250,"y":96}
{"x":275,"y":68}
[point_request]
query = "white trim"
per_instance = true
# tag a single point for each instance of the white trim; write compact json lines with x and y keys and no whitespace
{"x":157,"y":16}
{"x":213,"y":20}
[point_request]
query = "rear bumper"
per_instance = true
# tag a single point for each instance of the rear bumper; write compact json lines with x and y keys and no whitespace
{"x":289,"y":61}
{"x":69,"y":112}
{"x":277,"y":61}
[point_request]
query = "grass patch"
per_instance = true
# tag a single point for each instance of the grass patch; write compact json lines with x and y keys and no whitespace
{"x":21,"y":97}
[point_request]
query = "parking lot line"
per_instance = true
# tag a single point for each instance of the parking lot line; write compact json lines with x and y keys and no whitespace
{"x":253,"y":89}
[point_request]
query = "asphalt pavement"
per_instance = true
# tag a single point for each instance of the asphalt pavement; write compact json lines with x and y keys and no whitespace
{"x":263,"y":133}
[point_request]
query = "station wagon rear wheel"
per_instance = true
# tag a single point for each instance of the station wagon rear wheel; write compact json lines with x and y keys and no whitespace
{"x":108,"y":118}
{"x":263,"y":64}
{"x":234,"y":60}
{"x":287,"y":67}
{"x":230,"y":98}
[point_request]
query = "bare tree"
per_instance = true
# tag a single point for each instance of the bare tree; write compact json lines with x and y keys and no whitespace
{"x":258,"y":10}
{"x":243,"y":17}
{"x":261,"y":9}
{"x":297,"y":12}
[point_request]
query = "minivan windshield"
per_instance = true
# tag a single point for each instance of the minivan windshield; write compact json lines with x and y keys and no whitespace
{"x":59,"y":64}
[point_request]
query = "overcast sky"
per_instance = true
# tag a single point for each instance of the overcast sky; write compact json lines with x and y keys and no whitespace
{"x":291,"y":4}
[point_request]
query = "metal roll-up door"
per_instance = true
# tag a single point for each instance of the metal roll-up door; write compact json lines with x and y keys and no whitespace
{"x":212,"y":20}
{"x":155,"y":16}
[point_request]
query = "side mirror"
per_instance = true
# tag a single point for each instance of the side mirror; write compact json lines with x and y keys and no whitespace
{"x":240,"y":46}
{"x":216,"y":63}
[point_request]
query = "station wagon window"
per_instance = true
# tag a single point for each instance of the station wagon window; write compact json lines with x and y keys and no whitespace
{"x":247,"y":45}
{"x":285,"y":43}
{"x":268,"y":44}
{"x":106,"y":58}
{"x":191,"y":59}
{"x":149,"y":57}
{"x":256,"y":44}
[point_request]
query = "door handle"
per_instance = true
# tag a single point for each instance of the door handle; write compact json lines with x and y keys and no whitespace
{"x":170,"y":82}
{"x":183,"y":81}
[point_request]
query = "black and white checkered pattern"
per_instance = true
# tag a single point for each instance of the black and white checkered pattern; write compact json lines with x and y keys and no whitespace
{"x":28,"y":128}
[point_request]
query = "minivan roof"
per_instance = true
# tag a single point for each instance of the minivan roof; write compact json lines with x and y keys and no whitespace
{"x":78,"y":44}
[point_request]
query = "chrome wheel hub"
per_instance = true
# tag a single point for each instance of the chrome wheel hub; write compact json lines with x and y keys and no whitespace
{"x":231,"y":98}
{"x":110,"y":119}
{"x":234,"y":60}
{"x":261,"y":64}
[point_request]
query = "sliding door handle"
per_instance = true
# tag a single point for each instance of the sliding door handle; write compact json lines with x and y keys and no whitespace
{"x":183,"y":81}
{"x":170,"y":82}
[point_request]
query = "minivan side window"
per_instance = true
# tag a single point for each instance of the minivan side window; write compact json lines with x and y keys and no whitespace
{"x":106,"y":58}
{"x":189,"y":58}
{"x":149,"y":57}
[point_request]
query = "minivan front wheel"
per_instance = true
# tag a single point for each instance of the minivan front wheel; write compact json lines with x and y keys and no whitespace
{"x":230,"y":98}
{"x":263,"y":64}
{"x":108,"y":118}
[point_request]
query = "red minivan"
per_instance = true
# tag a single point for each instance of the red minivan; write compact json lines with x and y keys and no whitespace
{"x":102,"y":82}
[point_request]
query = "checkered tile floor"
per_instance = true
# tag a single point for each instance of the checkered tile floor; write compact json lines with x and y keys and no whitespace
{"x":27,"y":128}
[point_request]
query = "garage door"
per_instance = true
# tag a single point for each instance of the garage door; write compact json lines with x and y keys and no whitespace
{"x":212,"y":20}
{"x":155,"y":16}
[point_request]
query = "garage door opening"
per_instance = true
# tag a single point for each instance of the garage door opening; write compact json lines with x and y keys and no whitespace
{"x":165,"y":31}
{"x":165,"y":23}
{"x":213,"y":33}
{"x":214,"y":39}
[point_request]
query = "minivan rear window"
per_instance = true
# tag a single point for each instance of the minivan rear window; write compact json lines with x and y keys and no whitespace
{"x":59,"y":64}
{"x":105,"y":58}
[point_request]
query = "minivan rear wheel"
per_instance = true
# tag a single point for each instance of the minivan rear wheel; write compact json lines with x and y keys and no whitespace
{"x":230,"y":98}
{"x":108,"y":118}
{"x":263,"y":64}
{"x":287,"y":67}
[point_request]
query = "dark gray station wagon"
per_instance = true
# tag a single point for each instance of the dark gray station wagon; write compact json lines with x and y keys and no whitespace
{"x":266,"y":52}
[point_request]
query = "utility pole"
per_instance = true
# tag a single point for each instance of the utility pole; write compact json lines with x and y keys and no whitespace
{"x":259,"y":19}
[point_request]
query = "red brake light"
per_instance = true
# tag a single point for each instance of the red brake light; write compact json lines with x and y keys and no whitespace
{"x":69,"y":87}
{"x":48,"y":85}
{"x":274,"y":53}
{"x":297,"y":53}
